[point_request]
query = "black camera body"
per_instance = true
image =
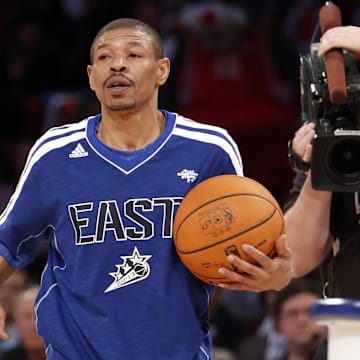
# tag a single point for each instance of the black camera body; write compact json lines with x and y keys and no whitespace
{"x":335,"y":164}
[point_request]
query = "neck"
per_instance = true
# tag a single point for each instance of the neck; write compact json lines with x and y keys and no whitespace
{"x":129,"y":132}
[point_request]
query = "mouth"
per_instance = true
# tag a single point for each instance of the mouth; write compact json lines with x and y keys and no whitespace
{"x":118,"y":84}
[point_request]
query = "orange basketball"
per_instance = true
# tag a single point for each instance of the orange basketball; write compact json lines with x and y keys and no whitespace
{"x":218,"y":216}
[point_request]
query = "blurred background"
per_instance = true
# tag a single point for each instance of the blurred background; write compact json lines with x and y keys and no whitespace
{"x":234,"y":64}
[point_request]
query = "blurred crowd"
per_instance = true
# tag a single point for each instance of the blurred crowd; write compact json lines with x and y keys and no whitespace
{"x":234,"y":64}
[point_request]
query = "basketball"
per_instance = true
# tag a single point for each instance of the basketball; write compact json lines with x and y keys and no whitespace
{"x":218,"y":216}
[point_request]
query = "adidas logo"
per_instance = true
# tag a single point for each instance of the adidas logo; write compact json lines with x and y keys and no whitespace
{"x":78,"y":152}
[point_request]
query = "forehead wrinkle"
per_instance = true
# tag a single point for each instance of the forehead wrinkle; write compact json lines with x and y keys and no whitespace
{"x":138,"y":39}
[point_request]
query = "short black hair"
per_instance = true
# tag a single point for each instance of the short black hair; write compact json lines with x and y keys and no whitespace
{"x":296,"y":286}
{"x":130,"y":23}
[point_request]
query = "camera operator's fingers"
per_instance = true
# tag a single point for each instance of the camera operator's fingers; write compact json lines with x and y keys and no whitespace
{"x":305,"y":131}
{"x":345,"y":37}
{"x":303,"y":137}
{"x":307,"y":154}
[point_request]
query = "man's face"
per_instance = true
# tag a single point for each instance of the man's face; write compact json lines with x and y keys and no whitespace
{"x":296,"y":323}
{"x":125,"y":73}
{"x":10,"y":289}
{"x":25,"y":320}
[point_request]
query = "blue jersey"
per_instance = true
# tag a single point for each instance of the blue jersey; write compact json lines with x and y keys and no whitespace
{"x":113,"y":286}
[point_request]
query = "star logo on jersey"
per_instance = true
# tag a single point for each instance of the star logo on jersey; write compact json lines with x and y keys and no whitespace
{"x":188,"y":175}
{"x":134,"y":268}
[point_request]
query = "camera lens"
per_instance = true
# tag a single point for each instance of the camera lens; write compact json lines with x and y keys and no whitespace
{"x":344,"y":158}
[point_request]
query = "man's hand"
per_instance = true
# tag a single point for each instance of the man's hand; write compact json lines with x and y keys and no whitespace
{"x":268,"y":274}
{"x":3,"y":333}
{"x":343,"y":37}
{"x":301,"y":143}
{"x":5,"y":271}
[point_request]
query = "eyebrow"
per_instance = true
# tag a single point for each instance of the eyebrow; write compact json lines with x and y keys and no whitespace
{"x":129,"y":43}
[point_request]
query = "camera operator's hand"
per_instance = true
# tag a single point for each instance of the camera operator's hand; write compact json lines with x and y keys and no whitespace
{"x":344,"y":37}
{"x":301,"y":143}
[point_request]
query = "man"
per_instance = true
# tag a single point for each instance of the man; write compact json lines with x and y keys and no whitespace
{"x":9,"y":292}
{"x":31,"y":346}
{"x":320,"y":221}
{"x":104,"y":191}
{"x":293,"y":320}
{"x":301,"y":335}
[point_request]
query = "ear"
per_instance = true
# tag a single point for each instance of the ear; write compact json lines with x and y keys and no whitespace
{"x":163,"y":70}
{"x":91,"y":77}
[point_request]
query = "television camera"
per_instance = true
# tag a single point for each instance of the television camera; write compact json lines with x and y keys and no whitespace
{"x":335,"y":164}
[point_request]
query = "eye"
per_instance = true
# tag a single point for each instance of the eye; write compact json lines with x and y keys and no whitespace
{"x":103,"y":57}
{"x":134,"y":55}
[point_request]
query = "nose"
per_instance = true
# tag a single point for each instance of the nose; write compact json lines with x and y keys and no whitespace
{"x":118,"y":68}
{"x":118,"y":65}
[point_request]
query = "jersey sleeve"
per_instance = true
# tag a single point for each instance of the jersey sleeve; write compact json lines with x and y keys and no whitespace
{"x":226,"y":158}
{"x":234,"y":161}
{"x":23,"y":224}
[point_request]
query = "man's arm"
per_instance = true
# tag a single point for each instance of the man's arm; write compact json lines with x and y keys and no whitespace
{"x":307,"y":221}
{"x":307,"y":225}
{"x":5,"y":271}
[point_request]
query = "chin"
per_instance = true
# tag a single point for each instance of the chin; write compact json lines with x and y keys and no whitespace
{"x":121,"y":107}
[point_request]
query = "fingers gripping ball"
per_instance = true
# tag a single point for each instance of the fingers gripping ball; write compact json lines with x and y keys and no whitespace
{"x":218,"y":216}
